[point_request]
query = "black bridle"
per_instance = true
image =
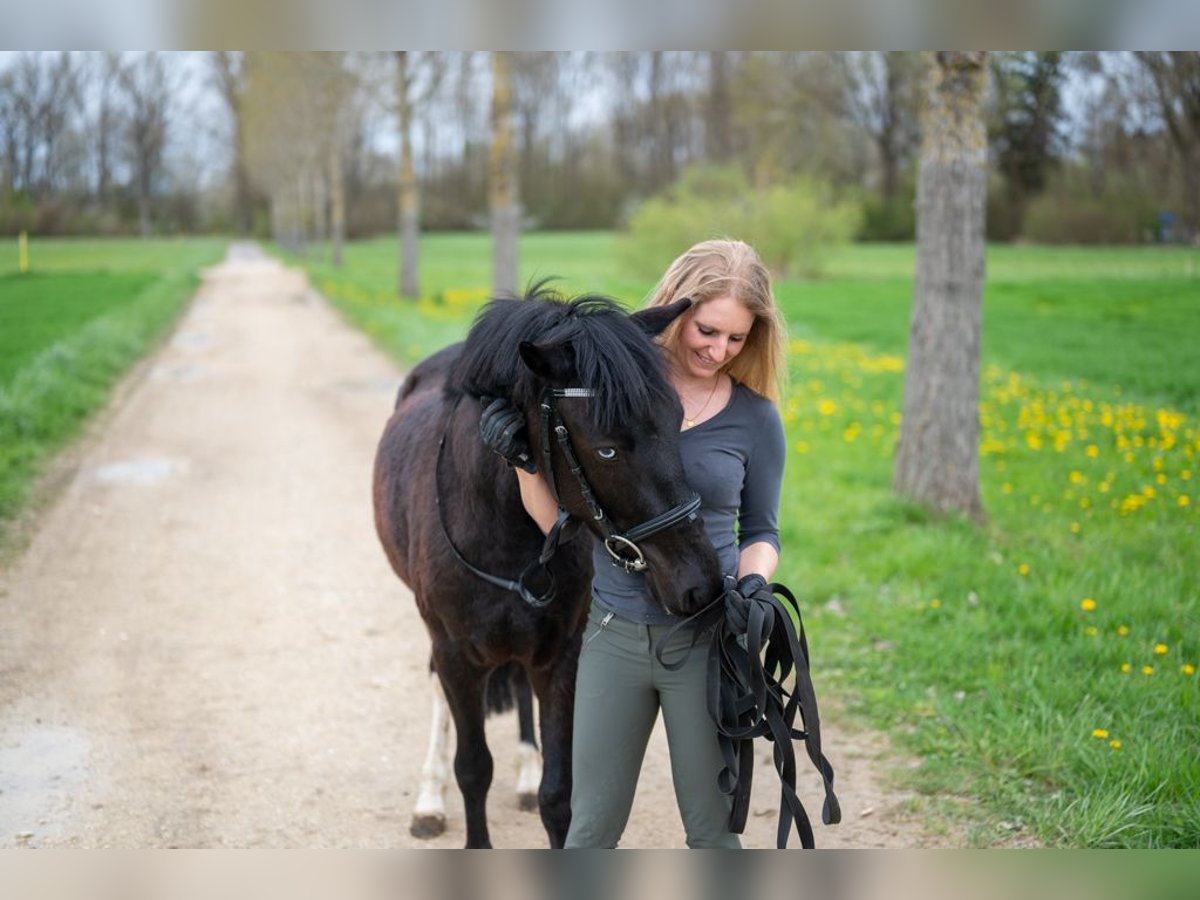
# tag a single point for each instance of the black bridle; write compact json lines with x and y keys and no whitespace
{"x":622,"y":546}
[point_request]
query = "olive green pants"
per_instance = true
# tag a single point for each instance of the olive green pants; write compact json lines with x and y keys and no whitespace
{"x":618,"y":692}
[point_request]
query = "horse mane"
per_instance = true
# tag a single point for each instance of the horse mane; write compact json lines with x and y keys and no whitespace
{"x":612,"y":354}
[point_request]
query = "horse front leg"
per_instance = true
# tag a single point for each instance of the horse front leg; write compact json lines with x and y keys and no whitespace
{"x":429,"y":815}
{"x":555,"y":687}
{"x":463,"y":684}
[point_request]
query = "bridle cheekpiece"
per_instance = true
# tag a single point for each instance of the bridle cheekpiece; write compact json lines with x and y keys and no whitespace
{"x":622,"y":547}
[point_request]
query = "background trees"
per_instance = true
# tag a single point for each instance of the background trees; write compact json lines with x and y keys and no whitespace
{"x":1082,"y":146}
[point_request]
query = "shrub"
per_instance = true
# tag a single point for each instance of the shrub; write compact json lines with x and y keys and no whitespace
{"x":1072,"y":211}
{"x":792,"y":225}
{"x":889,"y":220}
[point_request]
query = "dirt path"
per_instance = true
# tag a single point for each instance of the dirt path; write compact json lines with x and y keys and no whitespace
{"x":202,"y":645}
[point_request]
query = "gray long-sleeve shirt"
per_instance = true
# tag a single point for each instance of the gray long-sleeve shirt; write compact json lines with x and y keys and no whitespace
{"x":734,"y":461}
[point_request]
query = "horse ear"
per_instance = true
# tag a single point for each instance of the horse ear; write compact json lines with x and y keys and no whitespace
{"x":654,"y":319}
{"x":550,"y":362}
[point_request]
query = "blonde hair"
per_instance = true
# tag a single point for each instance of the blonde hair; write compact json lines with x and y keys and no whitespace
{"x":721,"y":268}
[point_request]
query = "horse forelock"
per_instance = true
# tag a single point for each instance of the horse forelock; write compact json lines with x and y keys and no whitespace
{"x":612,"y":356}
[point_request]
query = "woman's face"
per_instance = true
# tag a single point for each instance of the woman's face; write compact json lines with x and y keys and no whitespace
{"x":711,"y":335}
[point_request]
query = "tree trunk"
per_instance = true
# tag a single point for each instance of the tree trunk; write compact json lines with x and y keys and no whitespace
{"x":505,"y":204}
{"x":718,"y":130}
{"x":407,"y":199}
{"x":937,"y":461}
{"x":337,"y":201}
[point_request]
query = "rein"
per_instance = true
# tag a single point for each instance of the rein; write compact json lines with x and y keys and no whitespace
{"x":747,"y":663}
{"x":549,"y":547}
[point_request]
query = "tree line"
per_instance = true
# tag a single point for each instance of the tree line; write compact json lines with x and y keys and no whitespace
{"x":313,"y":147}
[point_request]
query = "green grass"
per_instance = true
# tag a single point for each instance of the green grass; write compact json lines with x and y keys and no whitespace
{"x":38,"y":310}
{"x":68,"y":330}
{"x":971,"y":646}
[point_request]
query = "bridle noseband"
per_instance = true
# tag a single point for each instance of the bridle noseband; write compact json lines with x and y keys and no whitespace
{"x":622,"y":547}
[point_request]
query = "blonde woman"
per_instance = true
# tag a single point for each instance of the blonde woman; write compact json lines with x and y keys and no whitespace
{"x":725,"y":359}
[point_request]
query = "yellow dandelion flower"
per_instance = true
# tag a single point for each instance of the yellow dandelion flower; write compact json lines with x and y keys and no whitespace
{"x":1007,"y":488}
{"x":1147,"y":670}
{"x":1122,"y":630}
{"x":1126,"y":667}
{"x":1115,"y":744}
{"x":1184,"y":500}
{"x":1091,"y":631}
{"x":1187,"y":669}
{"x":1087,"y":604}
{"x":826,"y":407}
{"x":1100,"y":733}
{"x":1160,"y":649}
{"x":1023,"y":569}
{"x":1077,"y":477}
{"x":1093,"y":451}
{"x":935,"y":603}
{"x":1076,"y":528}
{"x":1161,"y":478}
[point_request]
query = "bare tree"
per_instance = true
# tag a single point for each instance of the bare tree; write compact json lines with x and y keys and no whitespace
{"x":418,"y":76}
{"x":107,"y":123}
{"x":41,"y":93}
{"x":148,"y":90}
{"x":298,"y":107}
{"x":1176,"y":79}
{"x":279,"y":146}
{"x":330,"y":88}
{"x":937,"y":461}
{"x":883,"y":92}
{"x":10,"y":126}
{"x":229,"y":73}
{"x":502,"y":185}
{"x":718,"y":118}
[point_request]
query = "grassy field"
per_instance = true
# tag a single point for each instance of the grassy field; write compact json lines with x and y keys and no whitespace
{"x":69,"y":328}
{"x":1043,"y":668}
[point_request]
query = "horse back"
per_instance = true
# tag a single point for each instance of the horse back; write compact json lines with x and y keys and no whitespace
{"x":429,"y":374}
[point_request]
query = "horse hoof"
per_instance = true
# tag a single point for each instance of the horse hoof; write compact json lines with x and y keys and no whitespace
{"x":427,"y":826}
{"x":527,"y":802}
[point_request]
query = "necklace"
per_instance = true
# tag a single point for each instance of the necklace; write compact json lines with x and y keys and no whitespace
{"x":690,"y":421}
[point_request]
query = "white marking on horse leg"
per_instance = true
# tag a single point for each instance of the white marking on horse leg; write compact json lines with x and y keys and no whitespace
{"x":529,"y":776}
{"x":429,"y":815}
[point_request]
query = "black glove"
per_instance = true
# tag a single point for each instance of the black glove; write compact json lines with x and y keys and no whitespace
{"x":737,"y":602}
{"x":502,"y":428}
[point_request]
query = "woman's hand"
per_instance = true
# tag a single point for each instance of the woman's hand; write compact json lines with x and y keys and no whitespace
{"x":502,"y":428}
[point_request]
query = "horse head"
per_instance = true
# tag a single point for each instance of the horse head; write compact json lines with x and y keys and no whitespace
{"x":604,"y":422}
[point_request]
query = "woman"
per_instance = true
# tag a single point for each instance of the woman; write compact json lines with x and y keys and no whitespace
{"x":725,"y":358}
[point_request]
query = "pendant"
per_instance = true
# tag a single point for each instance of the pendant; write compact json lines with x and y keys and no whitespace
{"x":689,"y":423}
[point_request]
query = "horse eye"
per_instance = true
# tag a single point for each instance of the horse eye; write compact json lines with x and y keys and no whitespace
{"x":606,"y":453}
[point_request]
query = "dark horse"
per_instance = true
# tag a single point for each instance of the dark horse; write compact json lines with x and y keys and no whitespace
{"x":593,"y":389}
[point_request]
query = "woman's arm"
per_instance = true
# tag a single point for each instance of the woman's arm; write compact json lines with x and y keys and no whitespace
{"x":758,"y":517}
{"x":759,"y":558}
{"x":539,"y":502}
